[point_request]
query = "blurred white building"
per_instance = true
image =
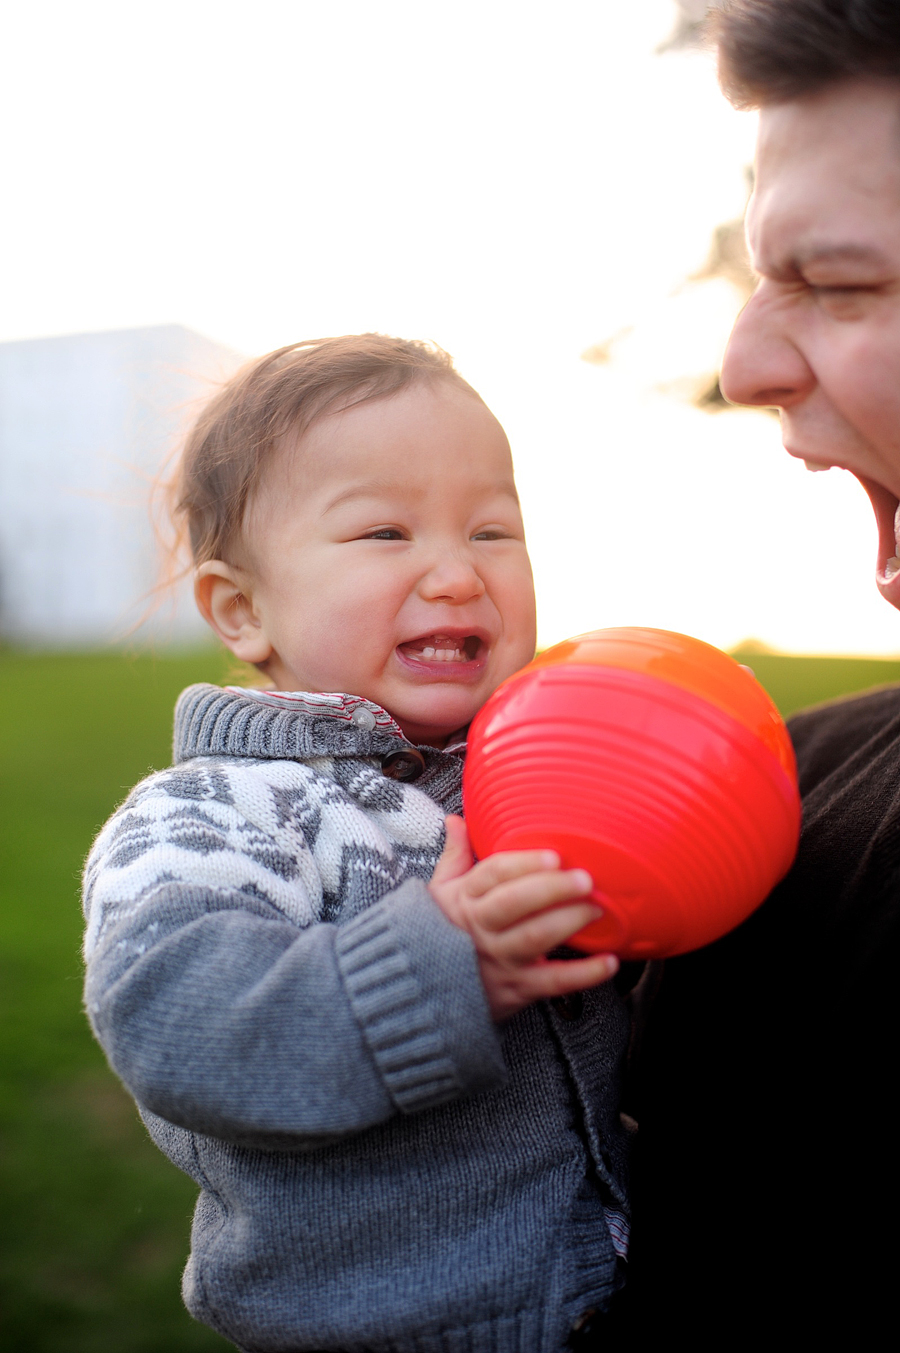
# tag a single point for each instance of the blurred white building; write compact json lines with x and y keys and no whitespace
{"x":87,"y":422}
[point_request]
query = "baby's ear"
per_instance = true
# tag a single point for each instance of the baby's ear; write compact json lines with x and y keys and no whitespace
{"x":224,"y":599}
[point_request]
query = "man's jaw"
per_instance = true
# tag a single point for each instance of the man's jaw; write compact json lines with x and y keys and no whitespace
{"x":886,"y":507}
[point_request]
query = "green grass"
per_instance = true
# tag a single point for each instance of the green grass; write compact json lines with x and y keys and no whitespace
{"x":93,"y":1221}
{"x":795,"y":682}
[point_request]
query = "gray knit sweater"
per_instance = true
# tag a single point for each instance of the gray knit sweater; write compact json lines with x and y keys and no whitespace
{"x":306,"y":1035}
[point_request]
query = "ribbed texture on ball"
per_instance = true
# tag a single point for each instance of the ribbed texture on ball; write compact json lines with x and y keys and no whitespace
{"x":683,"y":816}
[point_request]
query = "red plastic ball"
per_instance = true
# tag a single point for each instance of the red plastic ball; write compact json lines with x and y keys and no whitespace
{"x":654,"y":761}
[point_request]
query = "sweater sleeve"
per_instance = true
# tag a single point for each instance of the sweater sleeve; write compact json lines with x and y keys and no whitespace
{"x":224,"y":1016}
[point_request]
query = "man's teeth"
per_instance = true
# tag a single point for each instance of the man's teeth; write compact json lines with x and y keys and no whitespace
{"x":892,"y":567}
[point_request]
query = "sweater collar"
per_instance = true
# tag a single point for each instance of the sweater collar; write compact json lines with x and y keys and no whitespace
{"x":285,"y":725}
{"x":353,"y":709}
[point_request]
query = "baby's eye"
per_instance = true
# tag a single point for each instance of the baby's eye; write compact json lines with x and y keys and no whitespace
{"x":384,"y":533}
{"x":491,"y":533}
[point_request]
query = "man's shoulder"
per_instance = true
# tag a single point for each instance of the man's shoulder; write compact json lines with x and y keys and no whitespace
{"x":855,"y":727}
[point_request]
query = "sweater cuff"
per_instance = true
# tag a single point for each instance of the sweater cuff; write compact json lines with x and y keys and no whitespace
{"x":413,"y":983}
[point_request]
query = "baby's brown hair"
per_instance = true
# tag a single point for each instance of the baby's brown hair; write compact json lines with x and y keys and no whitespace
{"x":230,"y":444}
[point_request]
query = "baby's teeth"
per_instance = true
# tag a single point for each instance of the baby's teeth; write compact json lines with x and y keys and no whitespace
{"x":428,"y":653}
{"x":891,"y":568}
{"x":442,"y":654}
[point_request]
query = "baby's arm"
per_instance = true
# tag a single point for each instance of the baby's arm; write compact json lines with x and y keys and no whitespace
{"x":224,"y":1016}
{"x":512,"y":905}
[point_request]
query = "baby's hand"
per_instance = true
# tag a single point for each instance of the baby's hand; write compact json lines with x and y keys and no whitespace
{"x":503,"y":903}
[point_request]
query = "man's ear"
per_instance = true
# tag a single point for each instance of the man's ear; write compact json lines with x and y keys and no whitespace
{"x":225,"y":601}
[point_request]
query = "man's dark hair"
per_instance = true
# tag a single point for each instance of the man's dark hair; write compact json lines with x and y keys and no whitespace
{"x":774,"y":50}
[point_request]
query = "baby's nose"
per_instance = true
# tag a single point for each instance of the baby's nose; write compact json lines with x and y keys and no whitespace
{"x":452,"y":578}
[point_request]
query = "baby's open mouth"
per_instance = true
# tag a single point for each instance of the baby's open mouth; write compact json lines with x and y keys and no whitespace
{"x":442,"y":648}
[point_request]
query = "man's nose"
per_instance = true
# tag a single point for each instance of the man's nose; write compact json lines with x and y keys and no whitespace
{"x":762,"y":365}
{"x":452,"y":578}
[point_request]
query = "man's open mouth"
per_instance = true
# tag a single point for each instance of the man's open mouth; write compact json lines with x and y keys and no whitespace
{"x":442,"y":647}
{"x":892,"y":565}
{"x":886,"y":507}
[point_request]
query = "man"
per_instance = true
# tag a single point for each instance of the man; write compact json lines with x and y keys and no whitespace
{"x":767,"y":1200}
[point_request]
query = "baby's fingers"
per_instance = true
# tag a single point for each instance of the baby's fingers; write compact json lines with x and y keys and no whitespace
{"x":511,"y":988}
{"x":541,"y":932}
{"x":456,"y":857}
{"x":559,"y":977}
{"x":515,"y":899}
{"x":508,"y":865}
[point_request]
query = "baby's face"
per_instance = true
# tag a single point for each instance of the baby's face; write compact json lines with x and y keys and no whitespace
{"x":387,"y":559}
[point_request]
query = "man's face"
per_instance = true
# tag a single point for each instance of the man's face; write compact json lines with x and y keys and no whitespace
{"x":820,"y":337}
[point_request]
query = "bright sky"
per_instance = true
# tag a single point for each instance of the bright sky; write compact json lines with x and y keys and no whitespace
{"x":514,"y":180}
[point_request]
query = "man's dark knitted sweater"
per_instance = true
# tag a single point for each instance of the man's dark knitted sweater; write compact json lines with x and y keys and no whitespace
{"x":767,"y":1171}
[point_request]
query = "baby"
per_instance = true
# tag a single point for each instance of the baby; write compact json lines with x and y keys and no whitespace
{"x":402,"y":1116}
